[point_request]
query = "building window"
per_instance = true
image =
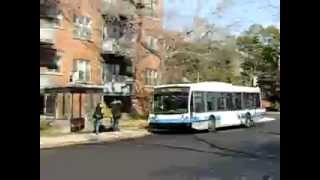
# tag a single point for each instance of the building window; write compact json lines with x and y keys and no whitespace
{"x":50,"y":63}
{"x":111,"y":72}
{"x":55,"y":66}
{"x":150,"y":7}
{"x":151,"y":77}
{"x":47,"y":104}
{"x":152,"y":43}
{"x":82,"y":27}
{"x":82,"y":70}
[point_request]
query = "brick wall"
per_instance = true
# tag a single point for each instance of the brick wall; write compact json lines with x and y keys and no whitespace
{"x":150,"y":26}
{"x":71,"y":48}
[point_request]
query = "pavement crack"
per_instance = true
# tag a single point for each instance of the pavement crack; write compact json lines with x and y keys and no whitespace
{"x":187,"y":149}
{"x":272,"y":133}
{"x":232,"y":151}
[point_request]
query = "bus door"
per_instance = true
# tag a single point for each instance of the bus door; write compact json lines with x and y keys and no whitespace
{"x":226,"y":110}
{"x":198,"y":112}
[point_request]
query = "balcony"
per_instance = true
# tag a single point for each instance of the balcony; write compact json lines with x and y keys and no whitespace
{"x":119,"y":86}
{"x":49,"y":11}
{"x":49,"y":79}
{"x":47,"y":35}
{"x":111,"y":7}
{"x":113,"y":46}
{"x":109,"y":46}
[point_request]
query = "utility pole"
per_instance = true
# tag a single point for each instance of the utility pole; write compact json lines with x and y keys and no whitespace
{"x":198,"y":77}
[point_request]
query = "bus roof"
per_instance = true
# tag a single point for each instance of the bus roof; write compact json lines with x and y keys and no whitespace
{"x":214,"y":86}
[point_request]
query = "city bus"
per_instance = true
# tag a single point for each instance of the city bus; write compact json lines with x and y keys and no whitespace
{"x":204,"y":106}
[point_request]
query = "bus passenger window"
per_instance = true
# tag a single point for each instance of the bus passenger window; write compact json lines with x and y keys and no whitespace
{"x":211,"y":101}
{"x":257,"y":98}
{"x":247,"y":100}
{"x":221,"y":103}
{"x":209,"y":106}
{"x":237,"y":101}
{"x":229,"y":101}
{"x":191,"y":104}
{"x":199,"y":102}
{"x":252,"y":100}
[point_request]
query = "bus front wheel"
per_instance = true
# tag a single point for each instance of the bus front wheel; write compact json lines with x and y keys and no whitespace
{"x":212,"y":124}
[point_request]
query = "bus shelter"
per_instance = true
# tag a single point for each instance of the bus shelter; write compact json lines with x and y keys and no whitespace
{"x":77,"y":123}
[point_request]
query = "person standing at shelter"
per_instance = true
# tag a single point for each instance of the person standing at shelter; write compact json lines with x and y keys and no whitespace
{"x":116,"y":114}
{"x":106,"y":111}
{"x":97,"y":116}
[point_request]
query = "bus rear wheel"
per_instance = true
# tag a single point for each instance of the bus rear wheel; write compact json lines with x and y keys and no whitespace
{"x":212,"y":124}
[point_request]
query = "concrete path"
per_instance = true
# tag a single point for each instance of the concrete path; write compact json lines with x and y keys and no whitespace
{"x":73,"y":139}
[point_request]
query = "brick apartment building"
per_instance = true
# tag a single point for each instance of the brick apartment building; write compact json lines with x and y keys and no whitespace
{"x":131,"y":51}
{"x":150,"y":53}
{"x":87,"y":54}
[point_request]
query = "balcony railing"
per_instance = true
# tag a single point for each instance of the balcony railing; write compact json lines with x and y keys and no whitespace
{"x":119,"y":85}
{"x":109,"y":46}
{"x":49,"y":11}
{"x":113,"y":46}
{"x":112,"y":7}
{"x":47,"y":35}
{"x":48,"y":79}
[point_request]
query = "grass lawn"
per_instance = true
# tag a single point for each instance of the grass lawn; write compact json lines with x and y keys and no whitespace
{"x":134,"y":124}
{"x":130,"y":124}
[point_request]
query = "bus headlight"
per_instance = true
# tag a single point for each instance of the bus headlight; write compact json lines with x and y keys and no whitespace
{"x":151,"y":119}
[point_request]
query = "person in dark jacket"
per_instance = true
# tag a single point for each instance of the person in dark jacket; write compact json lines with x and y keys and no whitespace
{"x":97,"y":116}
{"x":116,"y":114}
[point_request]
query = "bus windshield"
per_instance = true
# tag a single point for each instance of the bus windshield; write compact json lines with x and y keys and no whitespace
{"x":171,"y":101}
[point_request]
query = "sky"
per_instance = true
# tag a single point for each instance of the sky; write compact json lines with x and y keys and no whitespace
{"x":236,"y":15}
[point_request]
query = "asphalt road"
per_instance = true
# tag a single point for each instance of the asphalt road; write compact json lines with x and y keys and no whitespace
{"x":230,"y":154}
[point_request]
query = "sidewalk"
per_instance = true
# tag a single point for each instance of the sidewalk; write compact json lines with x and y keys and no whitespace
{"x":273,"y":112}
{"x":73,"y":139}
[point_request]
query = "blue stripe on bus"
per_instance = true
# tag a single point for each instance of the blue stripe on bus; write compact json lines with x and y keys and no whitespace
{"x":176,"y":121}
{"x":197,"y":118}
{"x":168,"y":121}
{"x":201,"y":120}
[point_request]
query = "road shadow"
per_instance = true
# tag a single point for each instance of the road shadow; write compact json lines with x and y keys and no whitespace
{"x":222,"y":151}
{"x":193,"y":131}
{"x":270,"y":148}
{"x":273,"y":133}
{"x":178,"y":132}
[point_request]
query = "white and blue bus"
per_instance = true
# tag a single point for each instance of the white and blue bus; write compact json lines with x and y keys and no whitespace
{"x":204,"y":106}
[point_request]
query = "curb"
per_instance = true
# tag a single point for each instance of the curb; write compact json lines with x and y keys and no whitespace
{"x":92,"y":141}
{"x":266,"y":119}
